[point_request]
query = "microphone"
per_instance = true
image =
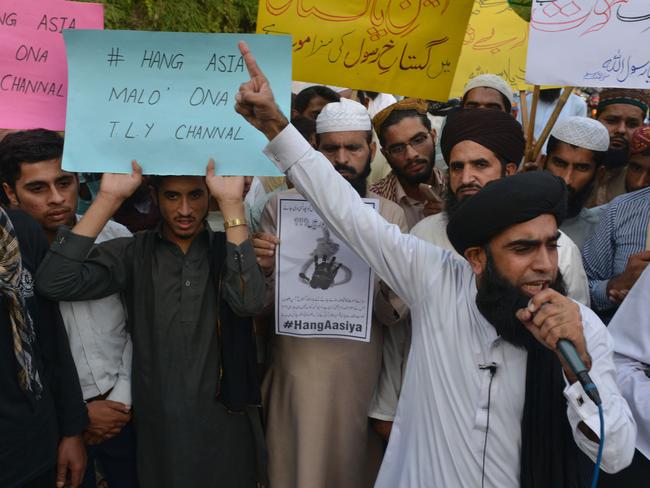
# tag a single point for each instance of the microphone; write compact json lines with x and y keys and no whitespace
{"x":491,"y":366}
{"x":578,"y":368}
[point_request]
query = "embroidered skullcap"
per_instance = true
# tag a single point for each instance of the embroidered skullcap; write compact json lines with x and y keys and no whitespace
{"x":495,"y":130}
{"x":628,"y":96}
{"x":417,"y":104}
{"x":345,"y":115}
{"x":490,"y":81}
{"x":582,"y":132}
{"x":505,"y":202}
{"x":640,"y":140}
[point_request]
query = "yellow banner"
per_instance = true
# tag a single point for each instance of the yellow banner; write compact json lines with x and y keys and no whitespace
{"x":404,"y":47}
{"x":496,"y":42}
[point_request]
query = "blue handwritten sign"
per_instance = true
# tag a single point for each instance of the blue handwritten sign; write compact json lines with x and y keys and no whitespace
{"x":166,"y":100}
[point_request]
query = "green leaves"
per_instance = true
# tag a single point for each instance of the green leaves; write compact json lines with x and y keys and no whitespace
{"x":181,"y":15}
{"x":521,"y":8}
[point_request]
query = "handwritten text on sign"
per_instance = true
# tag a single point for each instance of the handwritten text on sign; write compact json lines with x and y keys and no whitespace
{"x":407,"y":47}
{"x":323,"y":289}
{"x":167,"y":100}
{"x":33,"y":73}
{"x":599,"y":43}
{"x":495,"y":42}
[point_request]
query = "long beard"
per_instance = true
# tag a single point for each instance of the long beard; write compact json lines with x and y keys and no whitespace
{"x":359,"y":181}
{"x":617,"y":158}
{"x":498,"y":301}
{"x":577,"y":199}
{"x":424,"y":176}
{"x":451,"y":203}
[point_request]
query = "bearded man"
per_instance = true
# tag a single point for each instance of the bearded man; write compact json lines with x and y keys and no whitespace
{"x":328,"y":443}
{"x":577,"y":149}
{"x":409,"y":144}
{"x":622,"y":111}
{"x":637,"y":175}
{"x":486,"y":325}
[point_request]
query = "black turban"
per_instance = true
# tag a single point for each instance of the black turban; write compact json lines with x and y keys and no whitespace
{"x":497,"y":131}
{"x":505,"y":202}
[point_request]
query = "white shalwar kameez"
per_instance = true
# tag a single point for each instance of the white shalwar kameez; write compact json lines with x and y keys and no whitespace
{"x":439,"y":431}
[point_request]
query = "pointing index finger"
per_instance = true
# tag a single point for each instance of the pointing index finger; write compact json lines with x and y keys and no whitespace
{"x":249,"y":59}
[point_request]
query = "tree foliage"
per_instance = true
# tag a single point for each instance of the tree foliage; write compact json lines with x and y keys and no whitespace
{"x":181,"y":15}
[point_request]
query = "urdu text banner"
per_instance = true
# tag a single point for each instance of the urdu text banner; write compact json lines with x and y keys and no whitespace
{"x":597,"y":43}
{"x":407,"y":47}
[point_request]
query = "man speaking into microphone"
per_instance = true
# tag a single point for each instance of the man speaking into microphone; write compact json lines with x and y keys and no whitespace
{"x":486,"y":400}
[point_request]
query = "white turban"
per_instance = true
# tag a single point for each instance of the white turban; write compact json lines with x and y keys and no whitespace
{"x":582,"y":132}
{"x":490,"y":81}
{"x":346,"y":115}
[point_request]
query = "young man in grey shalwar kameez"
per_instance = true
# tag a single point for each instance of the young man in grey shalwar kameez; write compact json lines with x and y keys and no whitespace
{"x":183,"y":285}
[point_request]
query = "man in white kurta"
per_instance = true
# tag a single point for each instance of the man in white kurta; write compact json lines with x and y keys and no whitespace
{"x":630,"y":329}
{"x":438,"y":433}
{"x":440,"y":424}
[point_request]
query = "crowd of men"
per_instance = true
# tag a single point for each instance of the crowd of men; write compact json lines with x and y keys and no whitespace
{"x":138,"y":337}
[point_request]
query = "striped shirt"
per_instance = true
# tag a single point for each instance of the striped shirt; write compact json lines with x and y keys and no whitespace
{"x":621,"y":232}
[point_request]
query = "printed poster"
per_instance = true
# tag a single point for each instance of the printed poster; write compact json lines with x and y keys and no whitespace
{"x":323,"y":289}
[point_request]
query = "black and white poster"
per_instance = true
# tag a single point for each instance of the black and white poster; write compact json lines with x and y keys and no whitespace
{"x":323,"y":289}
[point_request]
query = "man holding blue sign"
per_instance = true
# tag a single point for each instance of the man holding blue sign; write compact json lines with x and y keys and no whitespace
{"x":189,"y":292}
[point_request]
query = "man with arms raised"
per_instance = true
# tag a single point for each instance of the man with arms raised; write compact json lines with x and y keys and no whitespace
{"x":480,"y":146}
{"x":485,"y":331}
{"x":193,"y":374}
{"x":409,"y":145}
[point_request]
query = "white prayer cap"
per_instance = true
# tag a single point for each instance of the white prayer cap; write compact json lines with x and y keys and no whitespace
{"x":582,"y":132}
{"x":346,"y":115}
{"x":490,"y":81}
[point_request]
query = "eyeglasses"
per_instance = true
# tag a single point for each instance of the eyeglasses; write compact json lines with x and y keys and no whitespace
{"x":399,"y":150}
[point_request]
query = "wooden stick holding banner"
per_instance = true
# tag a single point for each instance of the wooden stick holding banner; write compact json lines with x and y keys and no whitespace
{"x":523,"y":107}
{"x":551,"y":122}
{"x":530,"y":133}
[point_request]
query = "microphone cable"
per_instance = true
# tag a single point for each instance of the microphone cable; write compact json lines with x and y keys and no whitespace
{"x":492,"y":367}
{"x":601,"y":444}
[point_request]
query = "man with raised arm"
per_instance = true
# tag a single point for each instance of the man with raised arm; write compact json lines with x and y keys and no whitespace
{"x":485,"y":398}
{"x":187,"y":291}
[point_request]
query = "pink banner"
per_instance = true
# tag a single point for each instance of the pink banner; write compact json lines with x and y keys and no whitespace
{"x":33,"y":66}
